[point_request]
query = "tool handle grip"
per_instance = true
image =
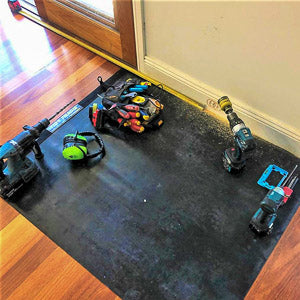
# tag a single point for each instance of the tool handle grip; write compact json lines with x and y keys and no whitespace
{"x":2,"y":175}
{"x":287,"y":193}
{"x":131,"y":107}
{"x":37,"y":150}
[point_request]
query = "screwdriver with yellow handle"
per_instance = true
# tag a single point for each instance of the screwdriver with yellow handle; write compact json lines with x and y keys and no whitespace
{"x":134,"y":124}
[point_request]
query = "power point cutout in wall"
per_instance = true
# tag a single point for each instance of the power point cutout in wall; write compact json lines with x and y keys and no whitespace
{"x":213,"y":104}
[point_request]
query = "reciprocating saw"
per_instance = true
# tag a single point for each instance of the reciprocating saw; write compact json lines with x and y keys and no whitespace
{"x":15,"y":168}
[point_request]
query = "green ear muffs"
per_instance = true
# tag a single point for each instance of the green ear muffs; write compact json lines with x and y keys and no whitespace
{"x":75,"y":146}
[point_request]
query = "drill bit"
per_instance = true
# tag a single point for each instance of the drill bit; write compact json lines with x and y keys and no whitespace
{"x":293,"y":182}
{"x":58,"y":112}
{"x":289,"y":177}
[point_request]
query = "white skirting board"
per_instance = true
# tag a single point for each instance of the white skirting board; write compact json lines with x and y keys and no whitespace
{"x":262,"y":125}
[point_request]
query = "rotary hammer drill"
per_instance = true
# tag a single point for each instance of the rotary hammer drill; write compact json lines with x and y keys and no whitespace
{"x":16,"y":169}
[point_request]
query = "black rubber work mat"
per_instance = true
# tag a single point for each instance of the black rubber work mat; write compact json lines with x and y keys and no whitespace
{"x":158,"y":217}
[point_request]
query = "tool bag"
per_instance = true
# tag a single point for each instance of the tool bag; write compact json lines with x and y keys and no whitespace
{"x":129,"y":104}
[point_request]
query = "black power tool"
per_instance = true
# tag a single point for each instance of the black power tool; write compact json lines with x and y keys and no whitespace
{"x":234,"y":159}
{"x":17,"y":169}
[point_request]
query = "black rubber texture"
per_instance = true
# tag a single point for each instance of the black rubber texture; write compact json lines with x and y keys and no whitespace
{"x":158,"y":217}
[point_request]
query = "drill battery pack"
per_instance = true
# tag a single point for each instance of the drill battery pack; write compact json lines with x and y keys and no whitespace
{"x":12,"y":182}
{"x":230,"y":162}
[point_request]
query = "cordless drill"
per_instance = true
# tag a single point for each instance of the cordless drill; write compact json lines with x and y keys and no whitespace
{"x":19,"y":169}
{"x":234,"y":159}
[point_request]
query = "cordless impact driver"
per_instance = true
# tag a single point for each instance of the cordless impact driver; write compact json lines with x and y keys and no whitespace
{"x":263,"y":220}
{"x":15,"y":168}
{"x":234,"y":159}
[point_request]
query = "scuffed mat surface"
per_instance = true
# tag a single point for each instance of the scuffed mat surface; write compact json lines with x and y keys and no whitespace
{"x":159,"y":217}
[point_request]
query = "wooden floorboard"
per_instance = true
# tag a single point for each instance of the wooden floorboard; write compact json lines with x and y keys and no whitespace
{"x":40,"y":72}
{"x":7,"y":215}
{"x":33,"y":267}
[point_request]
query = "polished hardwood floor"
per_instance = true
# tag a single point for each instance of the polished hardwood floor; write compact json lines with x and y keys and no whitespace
{"x":40,"y":72}
{"x":280,"y":276}
{"x":33,"y":267}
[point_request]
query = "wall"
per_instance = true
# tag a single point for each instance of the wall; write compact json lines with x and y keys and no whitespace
{"x":246,"y":50}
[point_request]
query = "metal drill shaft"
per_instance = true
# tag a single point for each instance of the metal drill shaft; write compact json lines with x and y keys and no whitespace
{"x":293,"y":182}
{"x":290,"y":175}
{"x":58,"y":112}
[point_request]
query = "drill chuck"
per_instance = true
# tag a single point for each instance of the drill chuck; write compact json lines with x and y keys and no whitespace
{"x":226,"y":105}
{"x":234,"y":120}
{"x":41,"y":125}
